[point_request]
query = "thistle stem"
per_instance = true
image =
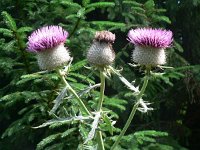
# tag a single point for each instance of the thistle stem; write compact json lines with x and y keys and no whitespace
{"x":102,"y":89}
{"x":99,"y":107}
{"x":132,"y":114}
{"x":80,"y":102}
{"x":100,"y":141}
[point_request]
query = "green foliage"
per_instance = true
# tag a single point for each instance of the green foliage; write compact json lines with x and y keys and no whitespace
{"x":9,"y":21}
{"x":28,"y":96}
{"x":149,"y":139}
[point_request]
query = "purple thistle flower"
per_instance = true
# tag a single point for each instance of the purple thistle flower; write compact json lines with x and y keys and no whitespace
{"x":46,"y":37}
{"x":48,"y":43}
{"x":156,"y":38}
{"x":150,"y":45}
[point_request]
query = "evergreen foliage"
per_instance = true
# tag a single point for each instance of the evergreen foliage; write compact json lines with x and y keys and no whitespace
{"x":33,"y":115}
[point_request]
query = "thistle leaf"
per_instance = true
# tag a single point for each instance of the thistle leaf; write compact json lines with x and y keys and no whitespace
{"x":62,"y":120}
{"x":94,"y":127}
{"x":58,"y":100}
{"x":125,"y":81}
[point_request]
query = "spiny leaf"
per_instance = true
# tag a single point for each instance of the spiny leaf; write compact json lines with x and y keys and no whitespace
{"x":58,"y":100}
{"x":62,"y":120}
{"x":94,"y":127}
{"x":87,"y":90}
{"x":125,"y":81}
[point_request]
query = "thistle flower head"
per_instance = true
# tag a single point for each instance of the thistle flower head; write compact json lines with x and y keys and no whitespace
{"x":105,"y":36}
{"x":46,"y":38}
{"x":101,"y":52}
{"x":156,"y":38}
{"x":150,"y":45}
{"x":48,"y":43}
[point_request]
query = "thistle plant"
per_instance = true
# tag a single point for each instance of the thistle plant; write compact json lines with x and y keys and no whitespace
{"x":63,"y":98}
{"x":149,"y":52}
{"x":48,"y":44}
{"x":150,"y":44}
{"x":101,"y":54}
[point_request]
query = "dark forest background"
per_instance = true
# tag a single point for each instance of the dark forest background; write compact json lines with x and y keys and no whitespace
{"x":25,"y":100}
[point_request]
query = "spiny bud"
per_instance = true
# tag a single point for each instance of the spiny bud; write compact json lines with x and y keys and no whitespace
{"x":150,"y":45}
{"x":101,"y":52}
{"x":48,"y":43}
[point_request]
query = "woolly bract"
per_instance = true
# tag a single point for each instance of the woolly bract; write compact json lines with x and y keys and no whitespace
{"x":101,"y":54}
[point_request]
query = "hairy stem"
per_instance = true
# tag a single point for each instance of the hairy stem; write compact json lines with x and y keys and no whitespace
{"x":80,"y":102}
{"x":132,"y":114}
{"x":99,"y":107}
{"x":102,"y":89}
{"x":100,"y":141}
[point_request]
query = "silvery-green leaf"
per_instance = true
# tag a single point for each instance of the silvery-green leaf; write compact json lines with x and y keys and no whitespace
{"x":144,"y":106}
{"x":62,"y":120}
{"x":94,"y":127}
{"x":87,"y":90}
{"x":58,"y":100}
{"x":125,"y":81}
